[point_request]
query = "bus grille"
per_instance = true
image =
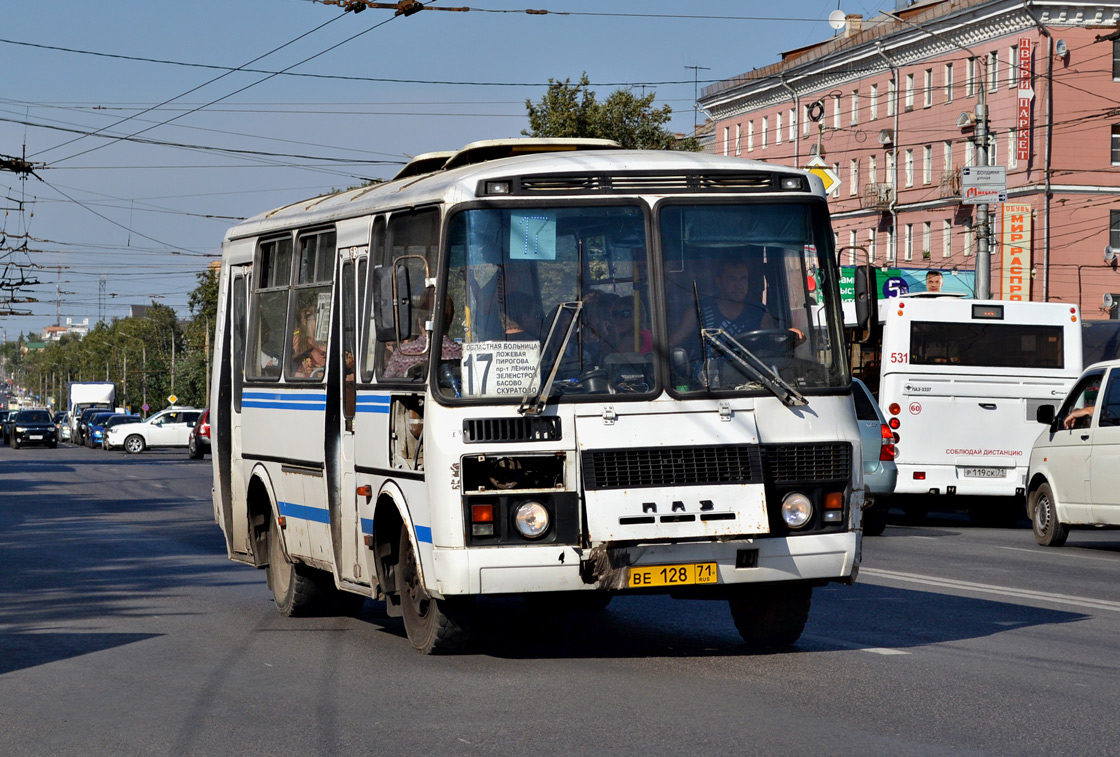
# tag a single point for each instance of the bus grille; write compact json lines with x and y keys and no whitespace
{"x":632,"y":183}
{"x":651,"y":467}
{"x":531,"y":429}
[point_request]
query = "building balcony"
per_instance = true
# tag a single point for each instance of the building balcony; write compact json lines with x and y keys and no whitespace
{"x":876,"y":196}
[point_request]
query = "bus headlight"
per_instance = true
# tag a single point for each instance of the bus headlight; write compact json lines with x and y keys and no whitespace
{"x":797,"y":509}
{"x":531,"y":519}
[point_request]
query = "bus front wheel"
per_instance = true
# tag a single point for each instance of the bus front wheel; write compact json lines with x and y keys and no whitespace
{"x":433,"y":626}
{"x":771,"y":616}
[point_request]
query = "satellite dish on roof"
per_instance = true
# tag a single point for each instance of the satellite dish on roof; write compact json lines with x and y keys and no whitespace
{"x":1108,"y":301}
{"x":1109,"y":253}
{"x":836,"y":19}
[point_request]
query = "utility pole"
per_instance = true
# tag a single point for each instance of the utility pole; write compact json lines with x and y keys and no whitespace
{"x":696,"y":91}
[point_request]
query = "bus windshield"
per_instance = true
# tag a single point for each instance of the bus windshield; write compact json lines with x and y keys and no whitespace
{"x":755,"y":273}
{"x":992,"y":345}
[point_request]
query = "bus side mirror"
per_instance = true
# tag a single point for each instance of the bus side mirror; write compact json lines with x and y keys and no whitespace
{"x":392,"y":311}
{"x":1044,"y":414}
{"x":867,"y":303}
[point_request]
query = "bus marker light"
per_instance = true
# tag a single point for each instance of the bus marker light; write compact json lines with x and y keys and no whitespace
{"x":894,"y":422}
{"x":365,"y":491}
{"x":919,"y":475}
{"x":834,"y":501}
{"x":895,"y":408}
{"x":282,"y":521}
{"x":482,"y":513}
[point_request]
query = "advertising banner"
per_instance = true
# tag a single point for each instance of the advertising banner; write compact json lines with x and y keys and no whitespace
{"x":1015,"y":279}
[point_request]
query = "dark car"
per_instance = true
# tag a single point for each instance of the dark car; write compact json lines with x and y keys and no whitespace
{"x":117,"y":419}
{"x":83,"y":419}
{"x":198,"y":443}
{"x":95,"y":428}
{"x":5,"y":417}
{"x":33,"y":427}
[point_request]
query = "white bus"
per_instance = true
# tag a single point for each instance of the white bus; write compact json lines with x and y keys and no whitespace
{"x":551,"y":442}
{"x":960,"y":384}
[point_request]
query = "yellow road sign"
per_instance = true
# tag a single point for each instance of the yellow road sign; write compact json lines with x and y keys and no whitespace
{"x":172,"y":399}
{"x":824,"y":172}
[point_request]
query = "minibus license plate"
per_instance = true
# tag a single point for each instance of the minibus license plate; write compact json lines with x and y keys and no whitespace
{"x":673,"y":575}
{"x":985,"y":473}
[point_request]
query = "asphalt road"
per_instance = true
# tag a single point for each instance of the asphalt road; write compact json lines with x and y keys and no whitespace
{"x":124,"y":630}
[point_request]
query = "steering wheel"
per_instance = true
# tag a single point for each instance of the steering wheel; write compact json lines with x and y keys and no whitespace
{"x":318,"y":372}
{"x":768,"y":341}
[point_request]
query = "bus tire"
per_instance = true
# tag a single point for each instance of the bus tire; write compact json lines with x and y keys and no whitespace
{"x":433,"y":626}
{"x":294,"y":589}
{"x":1048,"y":530}
{"x":771,"y":616}
{"x":134,"y":444}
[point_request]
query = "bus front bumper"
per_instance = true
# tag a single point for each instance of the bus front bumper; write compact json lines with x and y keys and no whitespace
{"x":520,"y":570}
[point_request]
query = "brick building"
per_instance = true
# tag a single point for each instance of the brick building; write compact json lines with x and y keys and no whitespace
{"x":890,"y":104}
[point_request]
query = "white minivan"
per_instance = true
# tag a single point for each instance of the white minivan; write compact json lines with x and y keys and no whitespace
{"x":1073,"y":478}
{"x":170,"y":427}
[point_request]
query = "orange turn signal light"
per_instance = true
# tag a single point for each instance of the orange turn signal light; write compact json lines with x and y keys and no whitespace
{"x":482,"y":513}
{"x":365,"y":491}
{"x":834,"y":501}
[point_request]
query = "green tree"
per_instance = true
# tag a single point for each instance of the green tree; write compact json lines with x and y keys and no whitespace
{"x":568,"y":110}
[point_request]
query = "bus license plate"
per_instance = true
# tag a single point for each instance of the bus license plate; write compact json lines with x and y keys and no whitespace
{"x":985,"y":473}
{"x":673,"y":575}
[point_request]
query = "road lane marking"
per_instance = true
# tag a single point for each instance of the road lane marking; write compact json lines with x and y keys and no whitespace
{"x":1003,"y":591}
{"x":1059,"y":553}
{"x":855,"y":647}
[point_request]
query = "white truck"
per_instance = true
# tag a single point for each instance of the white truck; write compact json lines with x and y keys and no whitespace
{"x":86,"y":394}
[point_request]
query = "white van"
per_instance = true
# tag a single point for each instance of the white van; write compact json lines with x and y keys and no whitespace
{"x":1073,"y":476}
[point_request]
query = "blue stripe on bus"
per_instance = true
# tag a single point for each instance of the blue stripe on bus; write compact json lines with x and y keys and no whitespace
{"x":284,"y":405}
{"x":290,"y":396}
{"x":303,"y":512}
{"x":424,"y":534}
{"x":373,"y":403}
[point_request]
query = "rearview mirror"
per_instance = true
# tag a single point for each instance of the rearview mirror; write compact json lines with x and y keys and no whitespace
{"x":1045,"y":414}
{"x":392,"y":303}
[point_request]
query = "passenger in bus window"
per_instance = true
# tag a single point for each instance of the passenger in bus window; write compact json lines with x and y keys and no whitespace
{"x":522,"y":318}
{"x":412,"y":352}
{"x":309,"y":357}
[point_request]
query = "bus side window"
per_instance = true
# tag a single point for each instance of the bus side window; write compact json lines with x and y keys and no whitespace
{"x":349,"y":297}
{"x":269,"y":309}
{"x":239,"y":316}
{"x":310,"y":311}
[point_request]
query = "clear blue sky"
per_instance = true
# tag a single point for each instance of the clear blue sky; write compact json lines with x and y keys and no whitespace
{"x":145,"y":214}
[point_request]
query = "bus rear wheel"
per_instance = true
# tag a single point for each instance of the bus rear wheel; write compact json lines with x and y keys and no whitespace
{"x":433,"y":626}
{"x":294,"y":589}
{"x":771,"y":616}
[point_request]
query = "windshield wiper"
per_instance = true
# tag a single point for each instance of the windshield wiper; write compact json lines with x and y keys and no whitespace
{"x":534,"y":402}
{"x":750,"y":363}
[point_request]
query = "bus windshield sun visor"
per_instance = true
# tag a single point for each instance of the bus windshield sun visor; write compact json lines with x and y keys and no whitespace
{"x":750,"y":363}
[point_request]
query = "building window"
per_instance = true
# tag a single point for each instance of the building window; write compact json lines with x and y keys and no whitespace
{"x":853,"y":176}
{"x":855,"y":107}
{"x":946,"y":239}
{"x":908,"y":167}
{"x":969,"y":153}
{"x":948,"y":152}
{"x":993,"y":150}
{"x":891,"y":250}
{"x":948,"y":82}
{"x":908,"y":243}
{"x":890,"y":168}
{"x":927,"y":239}
{"x":1116,"y":59}
{"x":765,"y":130}
{"x":1013,"y":67}
{"x":1114,"y":228}
{"x":909,"y":91}
{"x":807,"y":123}
{"x":738,"y":139}
{"x":967,"y":237}
{"x":1012,"y":153}
{"x":873,"y":102}
{"x":836,"y":189}
{"x":970,"y":77}
{"x":871,"y":245}
{"x":872,"y":173}
{"x":1116,"y":144}
{"x":778,"y":129}
{"x":927,"y":88}
{"x":852,"y":247}
{"x":927,"y":164}
{"x":792,"y":124}
{"x":892,"y":89}
{"x":993,"y":71}
{"x":726,"y":139}
{"x":750,"y":136}
{"x":836,"y":111}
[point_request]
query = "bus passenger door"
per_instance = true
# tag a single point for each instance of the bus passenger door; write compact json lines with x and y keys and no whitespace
{"x":346,"y":376}
{"x":225,"y":401}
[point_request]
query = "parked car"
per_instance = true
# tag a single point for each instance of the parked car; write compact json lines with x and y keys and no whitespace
{"x":1073,"y":478}
{"x":95,"y":428}
{"x":33,"y":427}
{"x":62,"y":423}
{"x":879,"y":470}
{"x":115,"y":420}
{"x":198,"y":443}
{"x":167,"y":428}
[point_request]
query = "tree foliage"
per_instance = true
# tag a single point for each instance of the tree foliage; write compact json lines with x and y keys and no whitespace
{"x":573,"y":110}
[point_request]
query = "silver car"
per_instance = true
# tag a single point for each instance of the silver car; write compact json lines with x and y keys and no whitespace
{"x":879,"y":470}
